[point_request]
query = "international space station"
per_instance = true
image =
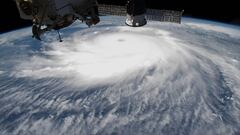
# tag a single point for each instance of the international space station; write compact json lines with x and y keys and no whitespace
{"x":48,"y":15}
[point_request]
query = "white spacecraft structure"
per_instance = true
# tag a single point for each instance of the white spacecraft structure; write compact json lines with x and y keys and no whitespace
{"x":57,"y":14}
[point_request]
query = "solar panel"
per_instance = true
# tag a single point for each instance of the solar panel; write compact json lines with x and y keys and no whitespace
{"x":151,"y":14}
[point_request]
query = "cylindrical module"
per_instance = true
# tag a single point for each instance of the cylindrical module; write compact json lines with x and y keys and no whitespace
{"x":136,"y":10}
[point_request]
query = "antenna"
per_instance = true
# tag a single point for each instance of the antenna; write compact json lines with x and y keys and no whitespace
{"x":59,"y":35}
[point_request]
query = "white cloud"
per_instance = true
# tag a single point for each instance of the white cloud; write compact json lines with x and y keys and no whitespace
{"x":231,"y":30}
{"x":112,"y":55}
{"x":155,"y":81}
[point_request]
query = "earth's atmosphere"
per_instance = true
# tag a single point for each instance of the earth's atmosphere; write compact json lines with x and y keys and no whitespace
{"x":160,"y":79}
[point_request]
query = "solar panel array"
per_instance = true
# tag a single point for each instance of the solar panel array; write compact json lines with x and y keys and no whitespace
{"x":151,"y":14}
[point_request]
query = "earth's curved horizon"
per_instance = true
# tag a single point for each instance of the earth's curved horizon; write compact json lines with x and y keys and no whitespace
{"x":112,"y":79}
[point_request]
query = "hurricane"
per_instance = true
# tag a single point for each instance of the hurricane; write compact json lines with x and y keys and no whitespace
{"x":112,"y":79}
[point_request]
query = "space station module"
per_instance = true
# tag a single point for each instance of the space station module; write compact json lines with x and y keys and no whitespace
{"x":136,"y":10}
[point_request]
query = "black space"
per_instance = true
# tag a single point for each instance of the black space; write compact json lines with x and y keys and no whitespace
{"x":227,"y":11}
